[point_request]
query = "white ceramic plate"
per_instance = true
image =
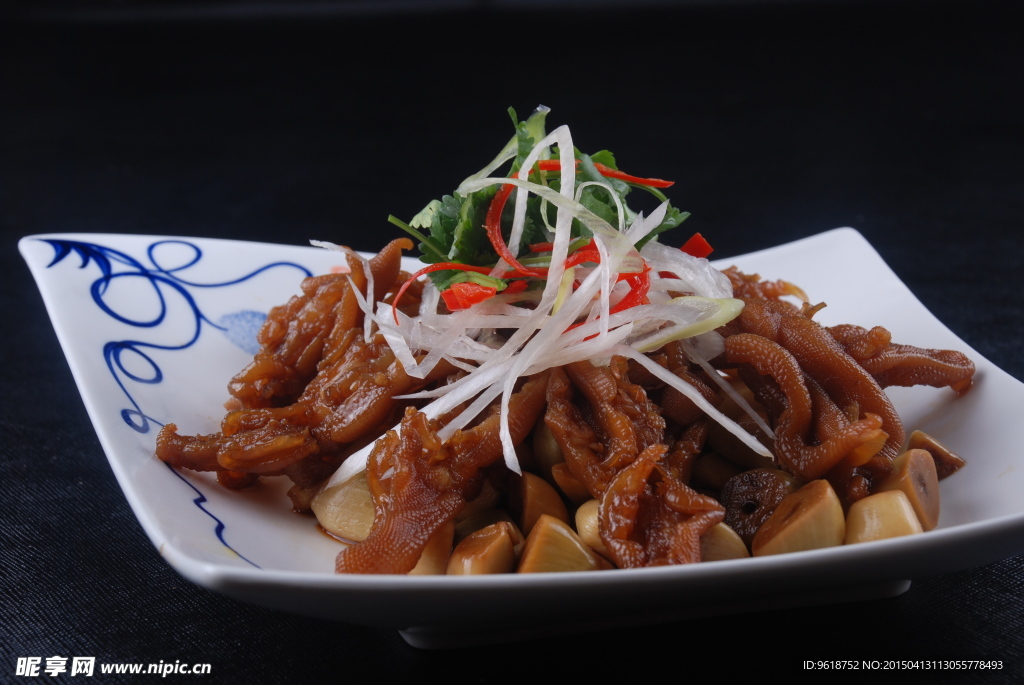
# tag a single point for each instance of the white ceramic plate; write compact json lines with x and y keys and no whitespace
{"x":153,"y":328}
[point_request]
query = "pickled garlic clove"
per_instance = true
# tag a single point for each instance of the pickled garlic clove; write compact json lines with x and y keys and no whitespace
{"x":883,"y":515}
{"x":810,"y":518}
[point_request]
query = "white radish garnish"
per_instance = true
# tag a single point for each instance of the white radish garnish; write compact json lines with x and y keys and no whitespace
{"x":581,"y":314}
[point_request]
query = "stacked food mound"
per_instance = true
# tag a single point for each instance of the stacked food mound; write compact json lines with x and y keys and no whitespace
{"x":556,"y":390}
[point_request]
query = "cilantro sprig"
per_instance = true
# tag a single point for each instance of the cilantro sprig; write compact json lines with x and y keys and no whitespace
{"x":451,"y":229}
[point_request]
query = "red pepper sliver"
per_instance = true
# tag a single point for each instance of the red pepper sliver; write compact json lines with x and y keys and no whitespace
{"x":582,"y":256}
{"x":607,"y":171}
{"x":492,"y":223}
{"x":465,"y":295}
{"x":614,"y":173}
{"x":696,"y":246}
{"x":552,"y":164}
{"x":515,"y":287}
{"x":640,"y":285}
{"x":440,"y":266}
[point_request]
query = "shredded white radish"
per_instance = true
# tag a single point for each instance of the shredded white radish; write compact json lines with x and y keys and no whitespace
{"x":362,"y":301}
{"x":693,"y":394}
{"x":695,"y":352}
{"x":565,"y":324}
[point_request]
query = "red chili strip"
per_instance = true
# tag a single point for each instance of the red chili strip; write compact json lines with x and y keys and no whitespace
{"x":640,"y":285}
{"x":581,"y":257}
{"x":493,"y":225}
{"x":465,"y":295}
{"x":440,"y":266}
{"x":607,"y":171}
{"x":614,"y":173}
{"x":516,"y":287}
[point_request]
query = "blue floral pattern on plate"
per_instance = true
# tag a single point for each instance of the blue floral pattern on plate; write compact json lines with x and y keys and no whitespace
{"x":240,"y":327}
{"x":161,"y":279}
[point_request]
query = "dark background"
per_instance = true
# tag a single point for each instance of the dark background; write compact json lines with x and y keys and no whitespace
{"x":283,"y":123}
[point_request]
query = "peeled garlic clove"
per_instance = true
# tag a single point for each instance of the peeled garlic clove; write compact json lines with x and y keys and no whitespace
{"x":588,"y":526}
{"x":722,"y":543}
{"x":434,"y":558}
{"x":464,"y":527}
{"x":546,"y":451}
{"x":913,"y":473}
{"x":810,"y":518}
{"x":488,"y":550}
{"x":883,"y":515}
{"x":552,"y":546}
{"x":345,"y":510}
{"x":569,"y":484}
{"x":947,"y":462}
{"x":532,"y":497}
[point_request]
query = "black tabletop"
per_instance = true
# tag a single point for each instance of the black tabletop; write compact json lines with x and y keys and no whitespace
{"x":776,"y":120}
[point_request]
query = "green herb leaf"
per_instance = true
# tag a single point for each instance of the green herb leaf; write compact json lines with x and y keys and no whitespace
{"x":452,"y":228}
